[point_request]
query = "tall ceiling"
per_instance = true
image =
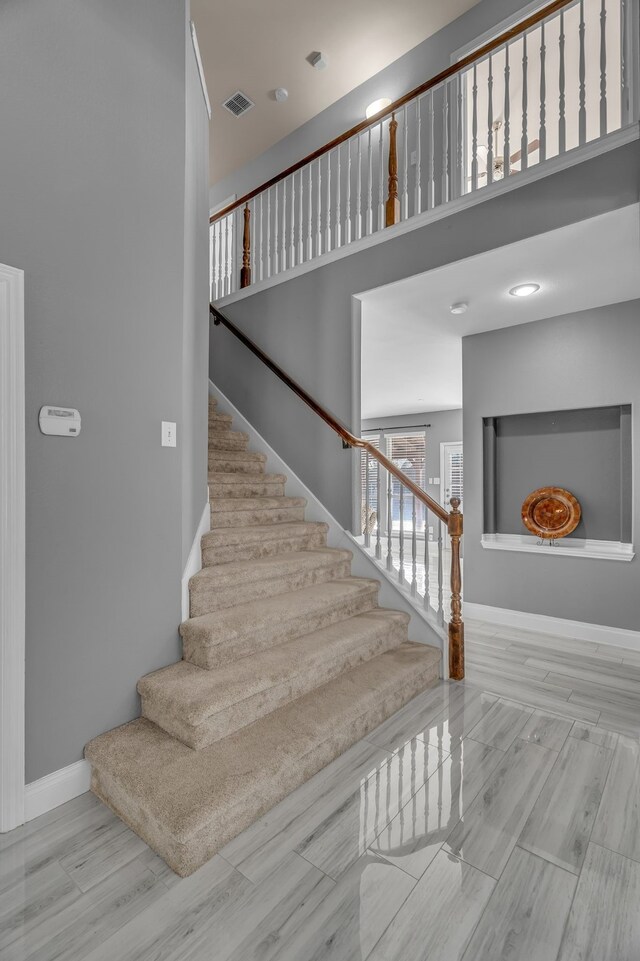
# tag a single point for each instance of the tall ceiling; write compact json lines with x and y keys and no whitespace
{"x":258,"y":45}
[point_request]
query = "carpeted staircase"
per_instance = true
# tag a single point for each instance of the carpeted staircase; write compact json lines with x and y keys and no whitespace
{"x":288,"y":661}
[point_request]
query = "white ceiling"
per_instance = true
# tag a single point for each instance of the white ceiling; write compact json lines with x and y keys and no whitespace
{"x":412,"y":344}
{"x":256,"y":46}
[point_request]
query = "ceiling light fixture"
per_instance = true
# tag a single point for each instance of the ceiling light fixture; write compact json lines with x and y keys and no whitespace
{"x":524,"y":290}
{"x":459,"y":308}
{"x":376,"y":107}
{"x":281,"y":94}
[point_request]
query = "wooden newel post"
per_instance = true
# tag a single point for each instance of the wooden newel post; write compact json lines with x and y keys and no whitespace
{"x":245,"y":273}
{"x":456,"y":625}
{"x":392,"y":208}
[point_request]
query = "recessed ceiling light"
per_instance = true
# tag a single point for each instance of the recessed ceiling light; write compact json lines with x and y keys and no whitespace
{"x":524,"y":290}
{"x":459,"y":308}
{"x":376,"y":107}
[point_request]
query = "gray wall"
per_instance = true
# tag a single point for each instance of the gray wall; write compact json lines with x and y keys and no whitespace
{"x":579,"y":450}
{"x":195,"y":340}
{"x":513,"y":371}
{"x":446,"y":425}
{"x":423,"y":61}
{"x":92,"y":207}
{"x":305,"y":323}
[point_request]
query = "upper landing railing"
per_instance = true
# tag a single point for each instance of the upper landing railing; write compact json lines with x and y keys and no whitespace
{"x":563,"y":77}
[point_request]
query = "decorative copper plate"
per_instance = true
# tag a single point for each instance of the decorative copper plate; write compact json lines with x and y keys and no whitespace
{"x":551,"y":512}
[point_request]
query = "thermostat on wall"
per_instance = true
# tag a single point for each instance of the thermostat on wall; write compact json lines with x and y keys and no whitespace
{"x":62,"y":421}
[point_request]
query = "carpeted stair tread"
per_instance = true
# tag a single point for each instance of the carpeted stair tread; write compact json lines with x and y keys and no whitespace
{"x":227,"y":585}
{"x":199,"y":707}
{"x":220,"y":421}
{"x":274,"y":510}
{"x":214,"y":639}
{"x":227,"y":439}
{"x":236,"y":461}
{"x":186,"y":804}
{"x":226,"y":544}
{"x":238,"y":504}
{"x":226,"y":484}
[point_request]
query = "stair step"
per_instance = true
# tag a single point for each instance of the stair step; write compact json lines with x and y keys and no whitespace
{"x":246,"y":543}
{"x":220,"y":421}
{"x":237,"y":461}
{"x":215,"y":639}
{"x":245,"y":511}
{"x":229,"y":484}
{"x":200,"y":707}
{"x":227,"y":439}
{"x":227,"y":585}
{"x":213,"y":403}
{"x":187,"y":804}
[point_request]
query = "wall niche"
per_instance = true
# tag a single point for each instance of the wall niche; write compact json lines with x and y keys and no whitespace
{"x":586,"y":451}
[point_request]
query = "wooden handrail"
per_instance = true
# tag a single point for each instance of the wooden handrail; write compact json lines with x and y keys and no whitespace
{"x":435,"y":81}
{"x":347,"y":437}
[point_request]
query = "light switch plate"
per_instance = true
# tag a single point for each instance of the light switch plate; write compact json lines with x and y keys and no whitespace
{"x":168,"y":433}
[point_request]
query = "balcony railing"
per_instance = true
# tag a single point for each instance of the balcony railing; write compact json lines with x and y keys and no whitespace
{"x":563,"y":77}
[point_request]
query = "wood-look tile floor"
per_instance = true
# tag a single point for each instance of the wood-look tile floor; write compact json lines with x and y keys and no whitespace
{"x":494,"y":819}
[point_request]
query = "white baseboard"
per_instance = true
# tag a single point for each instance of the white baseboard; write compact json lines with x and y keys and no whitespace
{"x":420,"y":628}
{"x":560,"y":626}
{"x":55,"y":789}
{"x":194,"y":560}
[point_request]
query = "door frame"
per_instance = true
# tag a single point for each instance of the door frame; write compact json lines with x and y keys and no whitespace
{"x":12,"y":549}
{"x":443,"y":445}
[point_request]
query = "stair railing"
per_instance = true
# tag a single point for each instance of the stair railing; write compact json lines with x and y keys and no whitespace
{"x":562,"y":77}
{"x":450,"y":520}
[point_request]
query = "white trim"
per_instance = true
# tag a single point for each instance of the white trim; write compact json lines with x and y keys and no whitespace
{"x":203,"y":82}
{"x":222,"y":204}
{"x":12,"y":548}
{"x":576,"y":547}
{"x":56,"y":788}
{"x":558,"y":626}
{"x":194,"y":560}
{"x":497,"y":29}
{"x":555,"y":164}
{"x":420,"y":628}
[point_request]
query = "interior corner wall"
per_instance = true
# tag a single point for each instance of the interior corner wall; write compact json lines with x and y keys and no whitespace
{"x":92,"y":208}
{"x":593,"y":363}
{"x":195,"y":377}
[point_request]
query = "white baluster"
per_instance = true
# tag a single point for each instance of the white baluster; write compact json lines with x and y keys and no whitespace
{"x":269,"y":232}
{"x":380,"y":177}
{"x":338,"y":230}
{"x":490,"y":125}
{"x":414,"y":548}
{"x":369,"y":225}
{"x":301,"y":219}
{"x":359,"y":191}
{"x":378,"y":510}
{"x":228,"y":223}
{"x":431,"y":182}
{"x":319,"y":211}
{"x":474,"y":130}
{"x":418,"y":200}
{"x":446,"y":184}
{"x":562,"y":123}
{"x":401,"y":554}
{"x":427,"y":600}
{"x":367,"y":534}
{"x":582,"y":109}
{"x":524,"y":143}
{"x":603,"y":68}
{"x":347,"y":218}
{"x":310,"y":214}
{"x":276,"y":233}
{"x":283,"y":240}
{"x":261,"y":241}
{"x":328,"y":215}
{"x":542,"y":134}
{"x":460,"y":185}
{"x":506,"y":157}
{"x":625,"y":62}
{"x":292,"y":223}
{"x":405,"y":165}
{"x":389,"y":522}
{"x":440,"y":576}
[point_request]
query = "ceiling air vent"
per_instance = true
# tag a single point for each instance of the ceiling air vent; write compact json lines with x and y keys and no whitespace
{"x":238,"y":104}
